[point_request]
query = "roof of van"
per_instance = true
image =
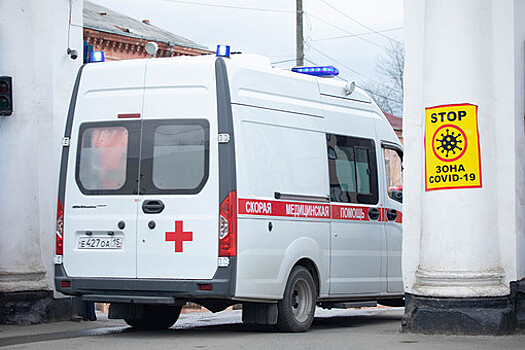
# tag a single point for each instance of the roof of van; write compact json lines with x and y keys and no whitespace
{"x":105,"y":20}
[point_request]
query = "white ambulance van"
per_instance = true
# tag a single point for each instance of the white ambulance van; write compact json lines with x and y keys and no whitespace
{"x":222,"y":181}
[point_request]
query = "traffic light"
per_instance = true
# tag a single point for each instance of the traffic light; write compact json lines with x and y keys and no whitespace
{"x":6,"y":96}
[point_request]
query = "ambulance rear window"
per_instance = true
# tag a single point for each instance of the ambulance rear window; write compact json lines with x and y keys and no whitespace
{"x":103,"y":158}
{"x":179,"y":156}
{"x":143,"y":157}
{"x":174,"y":156}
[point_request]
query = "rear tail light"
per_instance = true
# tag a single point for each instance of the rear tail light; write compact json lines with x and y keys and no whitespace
{"x":60,"y":229}
{"x":228,"y":226}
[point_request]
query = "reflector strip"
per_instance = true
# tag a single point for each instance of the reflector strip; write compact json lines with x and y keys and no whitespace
{"x":129,"y":115}
{"x":65,"y":284}
{"x":206,"y":287}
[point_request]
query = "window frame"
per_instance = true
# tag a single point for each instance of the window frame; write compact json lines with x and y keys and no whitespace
{"x":136,"y":153}
{"x":400,"y":152}
{"x":147,"y":185}
{"x":130,"y":186}
{"x":354,"y":143}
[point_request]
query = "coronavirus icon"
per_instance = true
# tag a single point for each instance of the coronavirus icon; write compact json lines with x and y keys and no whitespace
{"x":449,"y":143}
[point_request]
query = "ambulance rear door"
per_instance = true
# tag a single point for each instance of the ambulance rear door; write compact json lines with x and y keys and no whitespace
{"x":100,"y":207}
{"x":178,"y":202}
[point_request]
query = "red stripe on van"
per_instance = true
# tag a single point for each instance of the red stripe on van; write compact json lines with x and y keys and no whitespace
{"x":350,"y":212}
{"x":286,"y":209}
{"x":310,"y":210}
{"x":399,"y":218}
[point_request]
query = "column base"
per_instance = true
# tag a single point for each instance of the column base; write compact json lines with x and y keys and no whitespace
{"x":32,"y":307}
{"x":460,"y":284}
{"x":466,"y":316}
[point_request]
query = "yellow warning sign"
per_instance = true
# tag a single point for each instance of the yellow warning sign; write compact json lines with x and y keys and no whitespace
{"x":452,"y":152}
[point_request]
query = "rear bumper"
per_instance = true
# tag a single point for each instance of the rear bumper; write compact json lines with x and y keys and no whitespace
{"x":147,"y":291}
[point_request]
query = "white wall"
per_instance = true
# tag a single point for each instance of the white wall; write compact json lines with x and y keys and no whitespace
{"x":519,"y":133}
{"x":466,"y":233}
{"x":413,"y":138}
{"x":33,"y":45}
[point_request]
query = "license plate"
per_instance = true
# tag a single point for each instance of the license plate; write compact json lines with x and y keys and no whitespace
{"x":99,"y":243}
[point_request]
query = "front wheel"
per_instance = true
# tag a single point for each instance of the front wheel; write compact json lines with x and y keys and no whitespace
{"x":297,"y":308}
{"x":156,"y":317}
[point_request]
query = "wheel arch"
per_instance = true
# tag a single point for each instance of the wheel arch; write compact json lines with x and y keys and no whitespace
{"x":312,"y":268}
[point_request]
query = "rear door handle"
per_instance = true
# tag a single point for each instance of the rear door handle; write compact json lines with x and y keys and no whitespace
{"x":152,"y":206}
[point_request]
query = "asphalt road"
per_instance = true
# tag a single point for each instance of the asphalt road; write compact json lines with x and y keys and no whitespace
{"x":335,"y":329}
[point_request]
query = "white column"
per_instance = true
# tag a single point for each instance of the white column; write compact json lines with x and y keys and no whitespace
{"x":33,"y":50}
{"x":464,"y":248}
{"x":459,"y":238}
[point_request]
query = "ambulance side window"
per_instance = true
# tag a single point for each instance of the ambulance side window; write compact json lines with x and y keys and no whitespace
{"x":352,"y":165}
{"x":394,"y":173}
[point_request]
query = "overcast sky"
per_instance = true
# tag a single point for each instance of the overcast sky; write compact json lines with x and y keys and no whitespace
{"x":268,"y":28}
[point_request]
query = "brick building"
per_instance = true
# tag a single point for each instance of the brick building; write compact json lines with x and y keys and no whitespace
{"x":397,"y":125}
{"x":122,"y":37}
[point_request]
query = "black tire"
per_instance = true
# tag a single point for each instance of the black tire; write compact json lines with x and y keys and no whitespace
{"x":156,"y":317}
{"x":297,"y":308}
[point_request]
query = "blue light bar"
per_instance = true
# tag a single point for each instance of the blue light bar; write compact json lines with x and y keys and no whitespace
{"x":97,"y":56}
{"x":223,"y":50}
{"x":317,"y":71}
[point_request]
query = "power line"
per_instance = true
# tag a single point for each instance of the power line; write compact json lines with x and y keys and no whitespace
{"x":293,"y":59}
{"x":356,"y":72}
{"x":231,"y":6}
{"x":382,"y":96}
{"x":360,"y":34}
{"x":343,"y":65}
{"x":356,"y":21}
{"x":312,"y":62}
{"x":341,"y":29}
{"x":352,"y":70}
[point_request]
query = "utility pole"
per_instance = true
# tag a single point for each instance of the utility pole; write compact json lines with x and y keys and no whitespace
{"x":299,"y":34}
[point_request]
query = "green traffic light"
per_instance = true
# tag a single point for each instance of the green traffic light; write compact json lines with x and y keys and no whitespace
{"x":4,"y":103}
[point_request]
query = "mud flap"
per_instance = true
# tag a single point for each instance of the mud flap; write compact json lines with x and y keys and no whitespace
{"x":125,"y":311}
{"x":259,"y":313}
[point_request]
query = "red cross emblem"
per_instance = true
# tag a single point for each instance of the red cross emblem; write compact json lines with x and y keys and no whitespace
{"x":179,"y":236}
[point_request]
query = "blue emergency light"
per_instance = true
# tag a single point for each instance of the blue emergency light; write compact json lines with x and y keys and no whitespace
{"x":97,"y":56}
{"x":223,"y":50}
{"x":323,"y":71}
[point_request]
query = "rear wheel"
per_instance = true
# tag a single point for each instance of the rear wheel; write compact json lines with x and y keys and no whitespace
{"x":156,"y":317}
{"x":297,"y":308}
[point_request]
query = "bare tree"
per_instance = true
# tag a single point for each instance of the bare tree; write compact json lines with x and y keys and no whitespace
{"x":388,"y":92}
